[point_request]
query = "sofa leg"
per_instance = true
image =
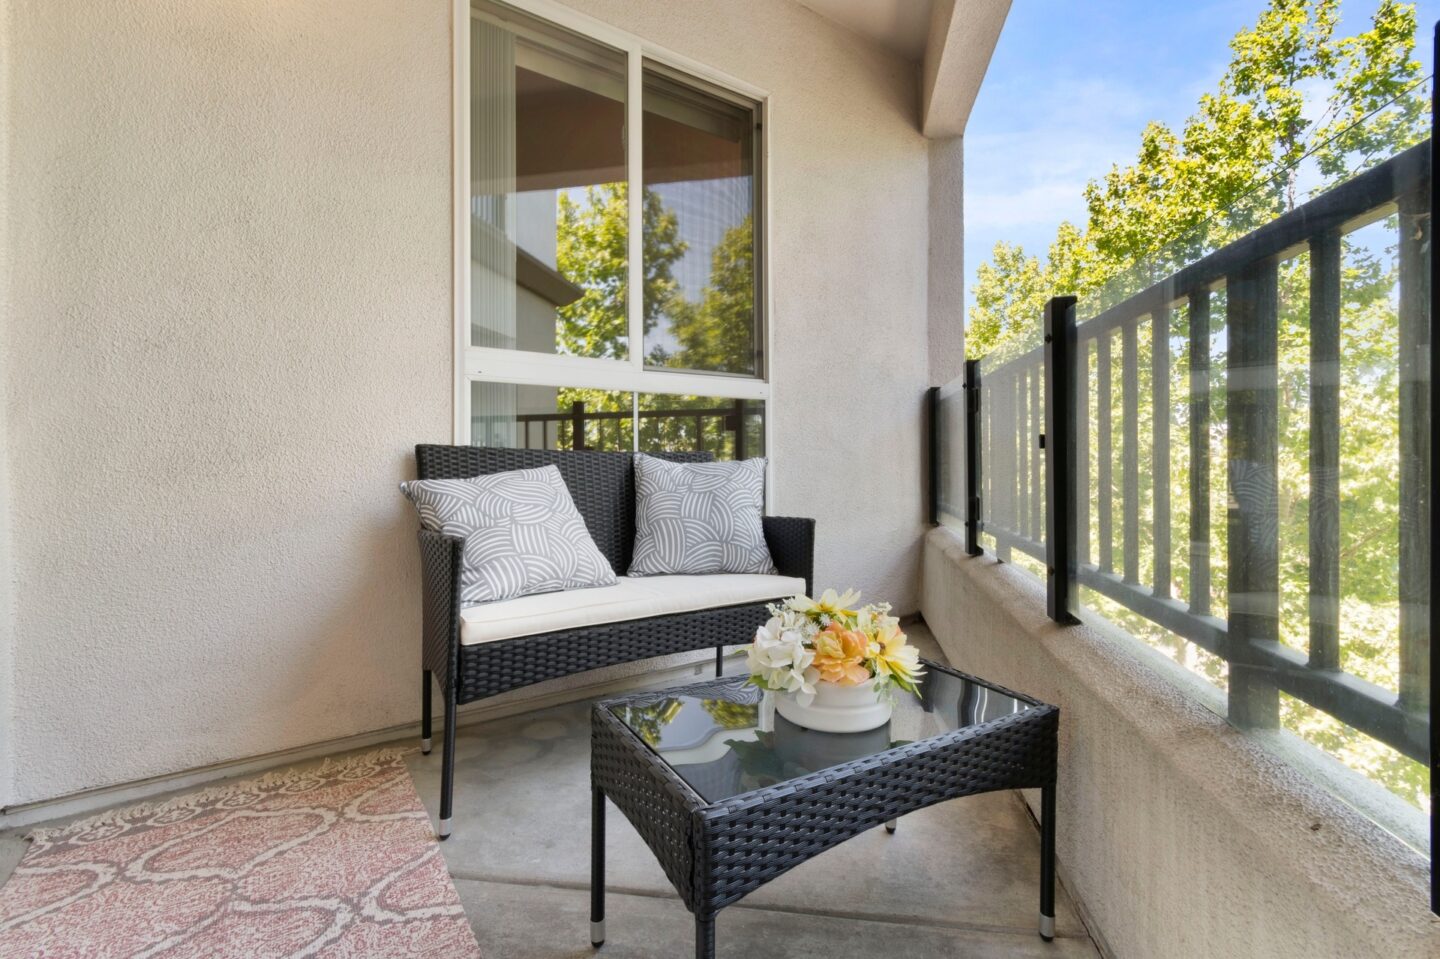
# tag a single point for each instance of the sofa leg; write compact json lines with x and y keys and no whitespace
{"x":425,"y":712}
{"x":447,"y":766}
{"x":719,"y":661}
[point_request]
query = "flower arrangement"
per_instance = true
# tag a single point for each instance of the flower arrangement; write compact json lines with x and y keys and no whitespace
{"x":831,"y":640}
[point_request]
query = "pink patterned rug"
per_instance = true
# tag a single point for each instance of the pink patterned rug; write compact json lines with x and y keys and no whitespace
{"x":333,"y":862}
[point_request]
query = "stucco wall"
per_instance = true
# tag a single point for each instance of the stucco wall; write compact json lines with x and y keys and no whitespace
{"x":946,"y":289}
{"x":7,"y":611}
{"x":230,"y":321}
{"x":1181,"y":836}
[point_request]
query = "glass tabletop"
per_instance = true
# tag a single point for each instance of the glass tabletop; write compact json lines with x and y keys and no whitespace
{"x":726,"y":740}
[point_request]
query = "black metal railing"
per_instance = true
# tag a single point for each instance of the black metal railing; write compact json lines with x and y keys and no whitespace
{"x":1008,"y":505}
{"x":721,"y":430}
{"x":1033,"y":477}
{"x":1261,"y":667}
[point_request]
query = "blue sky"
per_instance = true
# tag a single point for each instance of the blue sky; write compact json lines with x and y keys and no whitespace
{"x":1069,"y":89}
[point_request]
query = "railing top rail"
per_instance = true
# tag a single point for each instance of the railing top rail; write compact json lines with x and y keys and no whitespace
{"x":1032,"y":357}
{"x":567,"y":415}
{"x":1347,"y":206}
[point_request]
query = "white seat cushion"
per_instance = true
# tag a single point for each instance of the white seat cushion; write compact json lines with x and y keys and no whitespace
{"x":629,"y":598}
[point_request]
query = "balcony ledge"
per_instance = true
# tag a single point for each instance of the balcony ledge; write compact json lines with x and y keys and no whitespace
{"x":1181,"y":836}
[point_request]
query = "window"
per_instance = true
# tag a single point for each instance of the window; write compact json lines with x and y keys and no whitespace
{"x":610,"y":293}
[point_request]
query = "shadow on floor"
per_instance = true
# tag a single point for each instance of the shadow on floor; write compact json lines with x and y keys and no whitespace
{"x":959,"y":879}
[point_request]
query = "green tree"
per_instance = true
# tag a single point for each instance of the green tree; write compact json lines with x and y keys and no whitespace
{"x":718,"y":333}
{"x":592,"y":252}
{"x":1233,"y":165}
{"x":714,"y":334}
{"x":1295,"y":96}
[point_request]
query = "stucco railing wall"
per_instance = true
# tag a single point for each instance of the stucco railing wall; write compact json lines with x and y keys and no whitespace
{"x":1180,"y":836}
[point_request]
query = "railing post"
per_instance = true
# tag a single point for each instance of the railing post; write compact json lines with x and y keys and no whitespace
{"x":1023,"y":436}
{"x":1105,"y":453}
{"x":740,"y":443}
{"x":1433,"y":303}
{"x":1199,"y":317}
{"x":1252,"y":398}
{"x":932,"y":442}
{"x":1417,"y":478}
{"x":1059,"y":455}
{"x":1160,"y":446}
{"x":1324,"y":518}
{"x":1037,"y":468}
{"x":1130,"y":450}
{"x":1415,"y":506}
{"x":577,"y":425}
{"x":972,"y":458}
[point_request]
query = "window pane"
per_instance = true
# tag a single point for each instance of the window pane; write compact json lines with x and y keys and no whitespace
{"x":730,"y":429}
{"x":548,"y":206}
{"x":550,"y":417}
{"x":700,"y":281}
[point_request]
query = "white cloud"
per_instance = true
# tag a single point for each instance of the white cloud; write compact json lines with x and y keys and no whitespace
{"x":1032,"y":147}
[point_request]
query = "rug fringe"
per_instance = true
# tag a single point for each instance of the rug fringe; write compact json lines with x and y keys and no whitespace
{"x":48,"y":835}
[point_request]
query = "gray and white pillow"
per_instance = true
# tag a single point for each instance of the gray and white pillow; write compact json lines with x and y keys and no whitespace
{"x":522,"y":533}
{"x":699,"y":518}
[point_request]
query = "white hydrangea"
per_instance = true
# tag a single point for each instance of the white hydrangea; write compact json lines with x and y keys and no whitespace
{"x":779,"y":659}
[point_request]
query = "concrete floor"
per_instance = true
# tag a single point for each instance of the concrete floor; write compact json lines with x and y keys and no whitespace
{"x":956,"y":880}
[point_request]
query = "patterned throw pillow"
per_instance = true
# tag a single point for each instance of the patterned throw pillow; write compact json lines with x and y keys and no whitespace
{"x":699,"y":518}
{"x":522,"y":533}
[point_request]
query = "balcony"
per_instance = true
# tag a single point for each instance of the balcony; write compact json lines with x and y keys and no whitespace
{"x":261,"y":264}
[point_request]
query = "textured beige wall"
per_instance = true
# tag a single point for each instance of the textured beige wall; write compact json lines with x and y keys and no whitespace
{"x":946,"y":287}
{"x":1182,"y":837}
{"x":230,"y":321}
{"x":7,"y":611}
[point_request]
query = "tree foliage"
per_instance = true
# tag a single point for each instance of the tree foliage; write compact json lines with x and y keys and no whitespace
{"x":592,"y":252}
{"x":1298,"y":110}
{"x":1292,"y":90}
{"x":716,"y":333}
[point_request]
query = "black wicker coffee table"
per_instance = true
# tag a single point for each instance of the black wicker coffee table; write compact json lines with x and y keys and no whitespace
{"x":729,"y":796}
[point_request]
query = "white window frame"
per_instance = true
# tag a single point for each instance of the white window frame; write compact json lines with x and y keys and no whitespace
{"x":497,"y":365}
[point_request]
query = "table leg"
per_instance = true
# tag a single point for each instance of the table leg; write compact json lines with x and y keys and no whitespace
{"x":704,"y":937}
{"x":890,"y":825}
{"x":1047,"y":862}
{"x":597,"y":867}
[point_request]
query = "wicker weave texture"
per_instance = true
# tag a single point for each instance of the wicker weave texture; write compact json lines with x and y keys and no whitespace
{"x":440,"y":557}
{"x":750,"y":842}
{"x":714,"y":854}
{"x":490,"y":668}
{"x":792,"y":547}
{"x":603,"y":487}
{"x":655,"y":801}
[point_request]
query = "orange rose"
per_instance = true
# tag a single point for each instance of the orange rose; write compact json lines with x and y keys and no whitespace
{"x":840,"y":655}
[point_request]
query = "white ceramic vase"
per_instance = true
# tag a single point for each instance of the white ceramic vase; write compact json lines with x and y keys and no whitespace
{"x":837,"y":709}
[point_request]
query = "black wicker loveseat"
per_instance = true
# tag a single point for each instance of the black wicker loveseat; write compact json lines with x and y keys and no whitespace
{"x":602,"y":485}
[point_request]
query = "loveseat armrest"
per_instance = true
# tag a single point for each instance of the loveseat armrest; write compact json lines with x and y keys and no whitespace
{"x":792,"y":546}
{"x":440,"y":557}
